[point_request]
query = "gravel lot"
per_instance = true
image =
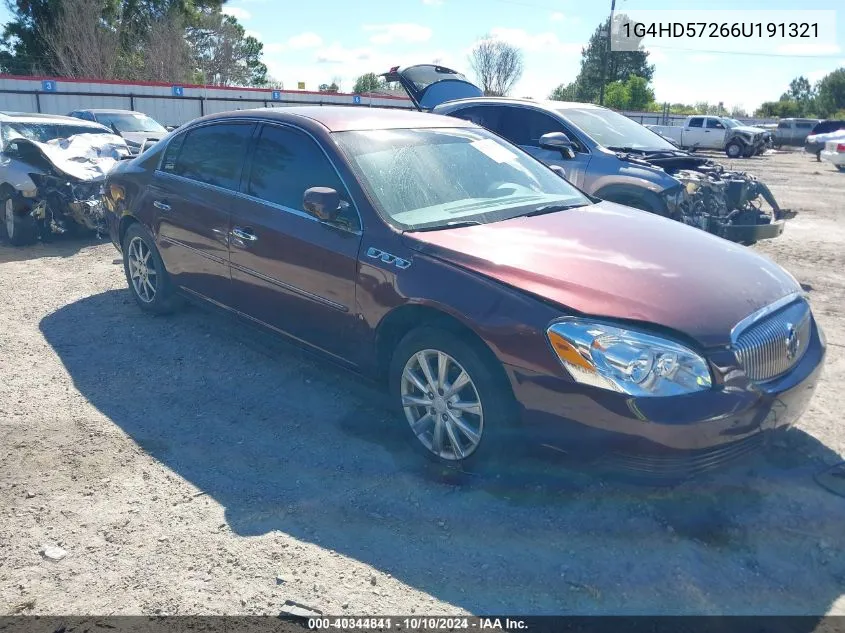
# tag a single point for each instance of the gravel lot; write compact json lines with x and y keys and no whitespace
{"x":190,"y":465}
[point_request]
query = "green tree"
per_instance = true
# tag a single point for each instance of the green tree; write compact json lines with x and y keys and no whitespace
{"x":563,"y":92}
{"x":640,"y":95}
{"x":369,"y":82}
{"x":831,"y":93}
{"x":617,"y":96}
{"x":619,"y":64}
{"x":26,"y":47}
{"x":224,"y":54}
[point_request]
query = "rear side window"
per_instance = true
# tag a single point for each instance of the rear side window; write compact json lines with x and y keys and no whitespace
{"x":212,"y":154}
{"x":784,"y":125}
{"x":698,"y":122}
{"x":486,"y":116}
{"x":804,"y":125}
{"x":285,"y":164}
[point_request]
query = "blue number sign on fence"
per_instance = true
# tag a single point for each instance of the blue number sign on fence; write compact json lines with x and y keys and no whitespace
{"x":178,"y":91}
{"x":277,"y":95}
{"x":356,"y":99}
{"x":48,"y":85}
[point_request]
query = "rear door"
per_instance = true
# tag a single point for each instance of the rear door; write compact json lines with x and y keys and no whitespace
{"x":290,"y":270}
{"x":190,"y":199}
{"x":694,"y":133}
{"x":429,"y":85}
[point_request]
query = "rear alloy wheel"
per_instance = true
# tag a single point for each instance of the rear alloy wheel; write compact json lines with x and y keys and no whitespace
{"x":145,"y":272}
{"x":21,"y":229}
{"x":458,"y":406}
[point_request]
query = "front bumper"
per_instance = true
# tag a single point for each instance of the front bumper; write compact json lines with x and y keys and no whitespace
{"x":677,"y":435}
{"x":753,"y":232}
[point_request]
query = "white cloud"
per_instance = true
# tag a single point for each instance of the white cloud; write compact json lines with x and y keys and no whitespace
{"x":557,"y":16}
{"x":655,"y":56}
{"x":433,"y":3}
{"x":701,"y":58}
{"x":238,"y":13}
{"x":274,"y":47}
{"x":305,"y":40}
{"x":389,"y":33}
{"x":546,"y":42}
{"x":809,"y":48}
{"x":339,"y":54}
{"x":251,"y":33}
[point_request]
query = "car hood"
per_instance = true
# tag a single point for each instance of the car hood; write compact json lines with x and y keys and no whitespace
{"x":749,"y":130}
{"x":140,"y":137}
{"x":85,"y":157}
{"x":612,"y":261}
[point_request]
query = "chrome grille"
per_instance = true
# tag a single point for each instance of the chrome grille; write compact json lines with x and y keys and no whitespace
{"x":773,"y":344}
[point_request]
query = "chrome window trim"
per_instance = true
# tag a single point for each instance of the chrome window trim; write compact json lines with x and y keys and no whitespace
{"x":763,"y":312}
{"x":243,"y":194}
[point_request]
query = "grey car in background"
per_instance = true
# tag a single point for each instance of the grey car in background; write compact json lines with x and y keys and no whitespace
{"x":607,"y":155}
{"x":136,"y":128}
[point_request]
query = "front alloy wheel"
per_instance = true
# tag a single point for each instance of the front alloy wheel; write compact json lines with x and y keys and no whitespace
{"x":142,"y":270}
{"x":442,"y":404}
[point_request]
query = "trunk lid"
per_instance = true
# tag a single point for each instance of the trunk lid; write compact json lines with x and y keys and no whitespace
{"x":611,"y":261}
{"x":429,"y":85}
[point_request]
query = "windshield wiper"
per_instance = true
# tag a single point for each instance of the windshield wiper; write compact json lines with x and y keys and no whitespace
{"x":551,"y":208}
{"x":457,"y":224}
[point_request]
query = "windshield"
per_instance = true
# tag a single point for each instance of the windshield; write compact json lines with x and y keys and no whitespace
{"x":614,"y":130}
{"x":731,"y":123}
{"x":43,"y":132}
{"x":130,"y":122}
{"x":434,"y":178}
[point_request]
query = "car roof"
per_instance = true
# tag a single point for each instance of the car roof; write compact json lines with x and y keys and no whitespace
{"x":347,"y":118}
{"x":108,"y":111}
{"x":547,"y":104}
{"x":36,"y":117}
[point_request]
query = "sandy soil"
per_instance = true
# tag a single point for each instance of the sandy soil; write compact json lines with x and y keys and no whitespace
{"x":188,"y":465}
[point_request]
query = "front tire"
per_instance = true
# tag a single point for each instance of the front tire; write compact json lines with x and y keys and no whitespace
{"x":146,"y":275}
{"x":733,"y":150}
{"x":18,"y":226}
{"x":457,"y":404}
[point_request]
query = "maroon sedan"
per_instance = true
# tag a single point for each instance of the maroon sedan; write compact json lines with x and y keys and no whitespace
{"x":501,"y":303}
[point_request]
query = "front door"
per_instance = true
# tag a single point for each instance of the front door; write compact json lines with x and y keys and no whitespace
{"x":714,"y":132}
{"x":190,"y":198}
{"x":289,"y":270}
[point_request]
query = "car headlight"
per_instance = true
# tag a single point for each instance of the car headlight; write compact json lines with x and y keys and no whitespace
{"x":627,"y":361}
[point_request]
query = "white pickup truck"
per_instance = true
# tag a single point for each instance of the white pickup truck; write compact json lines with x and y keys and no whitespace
{"x":715,"y":132}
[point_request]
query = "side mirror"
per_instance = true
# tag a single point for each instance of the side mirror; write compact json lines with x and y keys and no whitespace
{"x":322,"y":202}
{"x":148,"y":144}
{"x":558,"y":170}
{"x":558,"y":141}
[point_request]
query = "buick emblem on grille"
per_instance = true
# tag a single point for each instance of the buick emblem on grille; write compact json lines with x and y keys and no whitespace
{"x":793,"y":342}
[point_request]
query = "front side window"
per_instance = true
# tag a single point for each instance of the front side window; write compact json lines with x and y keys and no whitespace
{"x":525,"y":126}
{"x":696,"y":122}
{"x":433,"y":178}
{"x":212,"y":154}
{"x":715,"y":124}
{"x":286,"y":163}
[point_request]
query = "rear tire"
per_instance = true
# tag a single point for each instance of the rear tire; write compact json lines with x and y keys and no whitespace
{"x":467,"y":428}
{"x":146,"y":275}
{"x":18,"y":226}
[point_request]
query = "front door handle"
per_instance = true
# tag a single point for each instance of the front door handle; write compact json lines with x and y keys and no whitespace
{"x":162,"y":205}
{"x":244,"y":234}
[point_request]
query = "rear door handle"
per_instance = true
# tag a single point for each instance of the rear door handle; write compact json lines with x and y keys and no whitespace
{"x":244,"y":234}
{"x":162,"y":205}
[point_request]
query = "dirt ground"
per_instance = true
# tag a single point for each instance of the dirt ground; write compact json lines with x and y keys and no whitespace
{"x":188,"y":465}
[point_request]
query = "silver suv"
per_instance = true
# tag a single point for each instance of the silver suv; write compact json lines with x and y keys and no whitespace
{"x":46,"y":185}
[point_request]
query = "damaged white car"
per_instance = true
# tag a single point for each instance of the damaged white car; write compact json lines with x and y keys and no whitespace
{"x":51,"y":171}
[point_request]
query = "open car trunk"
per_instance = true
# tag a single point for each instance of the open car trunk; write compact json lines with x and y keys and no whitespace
{"x":429,"y":85}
